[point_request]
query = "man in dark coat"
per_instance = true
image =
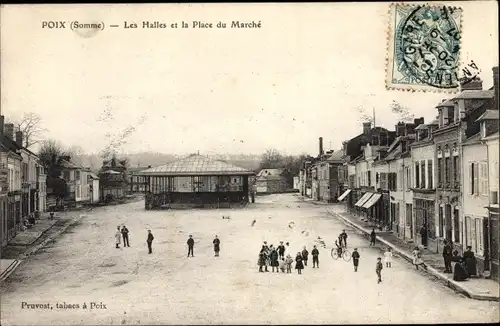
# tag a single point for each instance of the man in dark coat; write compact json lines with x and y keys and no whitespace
{"x":447,"y":255}
{"x":355,"y":259}
{"x":343,"y":237}
{"x":305,"y":256}
{"x":190,"y":244}
{"x":216,"y":246}
{"x":281,"y":250}
{"x":125,"y":236}
{"x":373,"y":237}
{"x":315,"y":254}
{"x":150,"y":241}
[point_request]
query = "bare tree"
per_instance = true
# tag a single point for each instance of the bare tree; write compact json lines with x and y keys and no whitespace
{"x":364,"y":115}
{"x":271,"y":159}
{"x":30,"y":125}
{"x":404,"y":114}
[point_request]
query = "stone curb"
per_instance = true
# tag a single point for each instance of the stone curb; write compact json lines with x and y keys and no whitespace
{"x":34,"y":249}
{"x":449,"y":282}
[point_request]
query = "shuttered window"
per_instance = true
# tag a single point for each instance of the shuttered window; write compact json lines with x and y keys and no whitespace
{"x":483,"y":175}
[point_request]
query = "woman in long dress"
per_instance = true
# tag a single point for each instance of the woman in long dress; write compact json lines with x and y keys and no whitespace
{"x":470,"y":261}
{"x":262,"y":259}
{"x":118,"y":236}
{"x":460,"y":272}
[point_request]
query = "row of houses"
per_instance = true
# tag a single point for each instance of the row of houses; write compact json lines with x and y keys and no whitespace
{"x":425,"y":182}
{"x":22,"y":182}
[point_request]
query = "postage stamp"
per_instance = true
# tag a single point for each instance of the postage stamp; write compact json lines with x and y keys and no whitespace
{"x":424,"y":44}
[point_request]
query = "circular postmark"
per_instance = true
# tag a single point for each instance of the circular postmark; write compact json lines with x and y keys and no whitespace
{"x":429,"y":46}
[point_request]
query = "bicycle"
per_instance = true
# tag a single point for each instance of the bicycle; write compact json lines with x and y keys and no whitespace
{"x":346,"y":255}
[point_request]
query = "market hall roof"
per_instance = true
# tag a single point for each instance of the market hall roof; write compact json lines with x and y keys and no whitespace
{"x":196,"y":165}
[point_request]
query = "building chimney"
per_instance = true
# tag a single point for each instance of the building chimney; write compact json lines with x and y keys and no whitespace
{"x":474,"y":84}
{"x":418,"y":122}
{"x":495,"y":86}
{"x":2,"y":121}
{"x":400,"y":129}
{"x":9,"y":130}
{"x":19,"y":138}
{"x":321,"y":146}
{"x":367,"y":126}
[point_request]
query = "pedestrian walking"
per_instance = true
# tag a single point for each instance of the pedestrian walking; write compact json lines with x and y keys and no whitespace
{"x":288,"y":263}
{"x":262,"y":259}
{"x":216,"y":246}
{"x":190,"y":244}
{"x":315,"y":254}
{"x":299,"y":266}
{"x":273,"y":257}
{"x":150,"y":242}
{"x":355,"y":259}
{"x":305,"y":255}
{"x":378,"y":269}
{"x":281,"y":250}
{"x":447,"y":255}
{"x":417,"y":259}
{"x":388,"y":257}
{"x":125,"y":236}
{"x":343,"y":237}
{"x":373,"y":237}
{"x":118,"y":236}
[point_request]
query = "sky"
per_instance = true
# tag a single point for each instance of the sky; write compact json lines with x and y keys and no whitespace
{"x":299,"y":77}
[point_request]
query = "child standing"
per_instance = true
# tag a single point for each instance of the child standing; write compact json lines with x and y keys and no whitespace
{"x":417,"y":258}
{"x":388,"y":257}
{"x":288,"y":263}
{"x":305,"y":255}
{"x":378,"y":269}
{"x":299,"y":266}
{"x":355,"y":259}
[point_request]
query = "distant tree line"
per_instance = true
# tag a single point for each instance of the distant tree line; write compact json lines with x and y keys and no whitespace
{"x":274,"y":159}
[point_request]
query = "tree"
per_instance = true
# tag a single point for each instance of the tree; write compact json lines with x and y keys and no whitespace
{"x":51,"y":155}
{"x":30,"y":125}
{"x":364,"y":116}
{"x":404,"y":114}
{"x":271,"y":159}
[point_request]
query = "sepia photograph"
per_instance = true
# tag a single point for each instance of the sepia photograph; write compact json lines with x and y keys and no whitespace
{"x":249,"y":163}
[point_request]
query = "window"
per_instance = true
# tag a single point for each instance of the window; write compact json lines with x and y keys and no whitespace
{"x":483,"y":179}
{"x":66,"y":175}
{"x":429,"y":174}
{"x":377,"y":177}
{"x":77,"y":175}
{"x":456,"y":168}
{"x":408,"y":178}
{"x":446,"y":169}
{"x":440,"y":171}
{"x":369,"y":178}
{"x":441,"y":222}
{"x":473,"y":178}
{"x":417,"y":175}
{"x":422,"y":176}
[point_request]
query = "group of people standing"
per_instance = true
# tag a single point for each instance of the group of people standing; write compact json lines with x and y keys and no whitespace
{"x":280,"y":259}
{"x":465,"y":265}
{"x":121,"y":233}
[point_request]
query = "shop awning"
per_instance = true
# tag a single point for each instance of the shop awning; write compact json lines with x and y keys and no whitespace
{"x":372,"y":201}
{"x":363,"y":199}
{"x":344,"y":195}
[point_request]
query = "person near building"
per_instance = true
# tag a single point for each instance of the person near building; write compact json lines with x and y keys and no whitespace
{"x":417,"y":258}
{"x":355,"y":259}
{"x":315,"y":255}
{"x":423,"y":235}
{"x":470,"y":261}
{"x":373,"y":237}
{"x":305,"y":255}
{"x":125,"y":236}
{"x":447,"y":255}
{"x":190,"y":244}
{"x":149,"y":241}
{"x":216,"y":243}
{"x":460,"y":271}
